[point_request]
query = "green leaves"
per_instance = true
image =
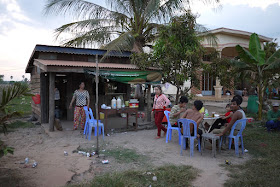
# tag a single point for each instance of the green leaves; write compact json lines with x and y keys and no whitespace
{"x":245,"y":55}
{"x":255,"y":55}
{"x":273,"y":62}
{"x":6,"y":96}
{"x":256,"y":50}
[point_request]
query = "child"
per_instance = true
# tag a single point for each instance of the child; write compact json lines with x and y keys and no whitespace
{"x":223,"y":120}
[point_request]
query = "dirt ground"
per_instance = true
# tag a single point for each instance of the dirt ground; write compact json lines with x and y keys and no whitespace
{"x":55,"y":169}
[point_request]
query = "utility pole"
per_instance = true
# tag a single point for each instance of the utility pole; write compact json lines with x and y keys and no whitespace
{"x":96,"y":103}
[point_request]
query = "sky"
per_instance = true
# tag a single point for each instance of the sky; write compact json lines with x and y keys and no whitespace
{"x":23,"y":24}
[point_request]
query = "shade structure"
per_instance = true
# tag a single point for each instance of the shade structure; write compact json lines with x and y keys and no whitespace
{"x":130,"y":77}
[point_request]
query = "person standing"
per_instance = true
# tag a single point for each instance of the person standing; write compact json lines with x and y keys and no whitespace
{"x":82,"y":99}
{"x":160,"y":103}
{"x":273,"y":117}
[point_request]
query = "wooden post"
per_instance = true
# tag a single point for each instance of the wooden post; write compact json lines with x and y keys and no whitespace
{"x":51,"y":101}
{"x":44,"y":98}
{"x":96,"y":104}
{"x":149,"y":108}
{"x":69,"y":95}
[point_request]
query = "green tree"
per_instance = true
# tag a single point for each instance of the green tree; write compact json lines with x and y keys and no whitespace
{"x":126,"y":25}
{"x":178,"y":51}
{"x":263,"y":68}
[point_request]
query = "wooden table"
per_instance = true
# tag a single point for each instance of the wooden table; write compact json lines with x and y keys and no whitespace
{"x":126,"y":110}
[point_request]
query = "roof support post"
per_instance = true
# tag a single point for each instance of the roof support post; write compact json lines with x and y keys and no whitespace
{"x":51,"y":100}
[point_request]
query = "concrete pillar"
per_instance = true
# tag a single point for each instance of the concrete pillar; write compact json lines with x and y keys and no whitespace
{"x":218,"y":89}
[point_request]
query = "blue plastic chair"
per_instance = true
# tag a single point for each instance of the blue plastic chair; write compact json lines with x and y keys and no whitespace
{"x":87,"y":119}
{"x":241,"y":126}
{"x":93,"y":123}
{"x":170,"y":128}
{"x":187,"y":134}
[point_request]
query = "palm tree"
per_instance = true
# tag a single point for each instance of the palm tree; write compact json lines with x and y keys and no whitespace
{"x":263,"y":68}
{"x":126,"y":25}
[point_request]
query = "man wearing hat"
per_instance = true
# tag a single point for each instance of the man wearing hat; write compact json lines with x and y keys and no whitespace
{"x":273,"y":117}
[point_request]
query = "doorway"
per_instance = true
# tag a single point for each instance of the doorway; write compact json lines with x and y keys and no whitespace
{"x":208,"y":83}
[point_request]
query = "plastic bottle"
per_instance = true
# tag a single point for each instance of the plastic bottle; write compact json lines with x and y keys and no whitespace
{"x":206,"y":112}
{"x":114,"y":103}
{"x":119,"y":103}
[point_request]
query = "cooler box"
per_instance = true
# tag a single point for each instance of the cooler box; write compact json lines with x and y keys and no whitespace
{"x":164,"y":118}
{"x":133,"y":103}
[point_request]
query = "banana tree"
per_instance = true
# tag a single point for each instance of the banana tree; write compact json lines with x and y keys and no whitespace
{"x":263,"y":69}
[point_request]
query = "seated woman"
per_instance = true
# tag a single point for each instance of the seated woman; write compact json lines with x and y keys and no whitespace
{"x":223,"y":120}
{"x":177,"y":111}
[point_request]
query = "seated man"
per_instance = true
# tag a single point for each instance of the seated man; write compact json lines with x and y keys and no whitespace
{"x":238,"y":114}
{"x":177,"y":111}
{"x":273,"y":117}
{"x":195,"y":115}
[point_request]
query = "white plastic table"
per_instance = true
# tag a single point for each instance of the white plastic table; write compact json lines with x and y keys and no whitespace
{"x":210,"y":121}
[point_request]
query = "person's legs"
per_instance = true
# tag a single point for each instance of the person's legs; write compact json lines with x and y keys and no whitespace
{"x":76,"y":117}
{"x":158,"y":121}
{"x":218,"y":131}
{"x":83,"y":118}
{"x":278,"y":125}
{"x":269,"y":125}
{"x":216,"y":124}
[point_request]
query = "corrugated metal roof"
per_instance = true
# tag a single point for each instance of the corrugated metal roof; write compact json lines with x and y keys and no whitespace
{"x":79,"y":51}
{"x":86,"y":64}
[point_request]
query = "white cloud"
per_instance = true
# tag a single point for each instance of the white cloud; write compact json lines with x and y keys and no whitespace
{"x":263,"y":4}
{"x":204,"y":5}
{"x":18,"y":37}
{"x":14,"y":10}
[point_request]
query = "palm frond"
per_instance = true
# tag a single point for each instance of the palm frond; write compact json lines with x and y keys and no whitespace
{"x":123,"y":6}
{"x":125,"y":42}
{"x":204,"y":33}
{"x":99,"y":36}
{"x":11,"y":92}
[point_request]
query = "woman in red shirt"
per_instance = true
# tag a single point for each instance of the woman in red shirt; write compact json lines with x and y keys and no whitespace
{"x":160,"y":103}
{"x":222,"y":120}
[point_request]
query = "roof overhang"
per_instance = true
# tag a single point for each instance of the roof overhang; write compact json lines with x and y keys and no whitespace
{"x":237,"y":33}
{"x":72,"y":50}
{"x":62,"y":66}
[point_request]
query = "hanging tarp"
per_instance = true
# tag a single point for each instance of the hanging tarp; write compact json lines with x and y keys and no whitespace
{"x":130,"y":77}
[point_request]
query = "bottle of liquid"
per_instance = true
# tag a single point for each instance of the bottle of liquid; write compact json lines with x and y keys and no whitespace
{"x":114,"y":103}
{"x":206,"y":113}
{"x":119,"y":103}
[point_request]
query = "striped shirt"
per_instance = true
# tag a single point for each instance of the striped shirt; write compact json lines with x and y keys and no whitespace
{"x":160,"y":102}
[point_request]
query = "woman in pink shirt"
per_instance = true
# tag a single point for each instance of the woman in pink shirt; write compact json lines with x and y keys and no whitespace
{"x":160,"y":103}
